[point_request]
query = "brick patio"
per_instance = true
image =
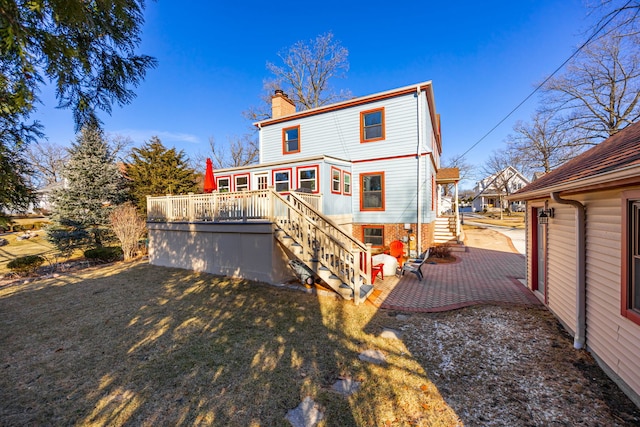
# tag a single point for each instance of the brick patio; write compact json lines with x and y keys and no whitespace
{"x":489,"y":272}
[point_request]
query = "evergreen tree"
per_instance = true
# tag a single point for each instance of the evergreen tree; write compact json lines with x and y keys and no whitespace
{"x":85,"y":49}
{"x":93,"y":186}
{"x":155,"y":170}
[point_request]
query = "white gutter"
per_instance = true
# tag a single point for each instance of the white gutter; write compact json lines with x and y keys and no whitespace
{"x":419,"y":159}
{"x":581,"y":307}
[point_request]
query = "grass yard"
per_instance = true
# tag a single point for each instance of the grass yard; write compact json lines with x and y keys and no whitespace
{"x":134,"y":344}
{"x":156,"y":346}
{"x":19,"y":248}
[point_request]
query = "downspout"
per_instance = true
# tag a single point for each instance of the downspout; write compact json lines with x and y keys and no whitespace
{"x":581,"y":306}
{"x":419,"y":195}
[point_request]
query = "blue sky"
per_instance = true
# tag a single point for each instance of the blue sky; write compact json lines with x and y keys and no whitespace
{"x":484,"y":58}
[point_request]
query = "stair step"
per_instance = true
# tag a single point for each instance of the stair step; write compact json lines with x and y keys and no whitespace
{"x":365,"y":291}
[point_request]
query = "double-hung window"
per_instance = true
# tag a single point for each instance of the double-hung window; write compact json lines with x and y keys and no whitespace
{"x":336,"y":183}
{"x":308,"y":179}
{"x":291,"y":140}
{"x":372,"y":191}
{"x":224,"y":185}
{"x":242,"y":182}
{"x":346,"y":181}
{"x":372,"y":125}
{"x":374,"y":235}
{"x":631,"y":256}
{"x":282,"y":180}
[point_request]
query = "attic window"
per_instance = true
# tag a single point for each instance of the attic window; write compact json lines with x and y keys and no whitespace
{"x":372,"y":125}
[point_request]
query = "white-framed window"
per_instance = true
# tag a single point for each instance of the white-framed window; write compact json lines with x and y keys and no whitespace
{"x":282,"y":180}
{"x":346,"y":183}
{"x":242,"y":182}
{"x":308,"y":178}
{"x":336,"y":180}
{"x":224,"y":185}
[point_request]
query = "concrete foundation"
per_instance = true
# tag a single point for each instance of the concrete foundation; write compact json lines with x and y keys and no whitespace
{"x":245,"y":250}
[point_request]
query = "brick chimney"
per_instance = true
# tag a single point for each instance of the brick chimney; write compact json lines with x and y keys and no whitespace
{"x":281,"y":105}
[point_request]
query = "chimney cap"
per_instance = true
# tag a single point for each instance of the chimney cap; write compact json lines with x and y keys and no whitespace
{"x":279,"y":92}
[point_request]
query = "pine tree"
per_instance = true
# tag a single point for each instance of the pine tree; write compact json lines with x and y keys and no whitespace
{"x":154,"y":170}
{"x":93,"y":186}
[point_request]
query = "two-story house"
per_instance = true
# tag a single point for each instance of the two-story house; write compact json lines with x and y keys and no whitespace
{"x":370,"y":162}
{"x":491,"y":191}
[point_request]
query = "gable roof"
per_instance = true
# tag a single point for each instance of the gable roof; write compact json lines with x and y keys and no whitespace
{"x":613,"y":162}
{"x":491,"y":179}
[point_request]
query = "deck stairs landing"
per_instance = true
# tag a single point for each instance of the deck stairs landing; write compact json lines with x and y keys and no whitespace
{"x":333,"y":255}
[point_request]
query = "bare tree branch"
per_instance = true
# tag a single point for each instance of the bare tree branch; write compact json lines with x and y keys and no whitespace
{"x":600,"y":91}
{"x":47,"y":160}
{"x":543,"y":144}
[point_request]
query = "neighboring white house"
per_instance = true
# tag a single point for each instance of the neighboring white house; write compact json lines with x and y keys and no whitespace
{"x":490,"y":192}
{"x":583,"y":251}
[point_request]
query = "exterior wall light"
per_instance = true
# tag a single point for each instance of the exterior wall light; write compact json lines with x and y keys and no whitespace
{"x":544,"y":215}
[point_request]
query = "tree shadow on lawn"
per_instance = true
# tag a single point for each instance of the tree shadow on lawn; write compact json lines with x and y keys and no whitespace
{"x":143,"y":345}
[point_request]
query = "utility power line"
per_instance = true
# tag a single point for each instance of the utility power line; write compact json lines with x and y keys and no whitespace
{"x":582,"y":46}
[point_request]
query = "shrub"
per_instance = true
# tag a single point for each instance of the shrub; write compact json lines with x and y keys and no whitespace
{"x":440,"y":251}
{"x":129,"y":227}
{"x":104,"y":254}
{"x":25,"y":265}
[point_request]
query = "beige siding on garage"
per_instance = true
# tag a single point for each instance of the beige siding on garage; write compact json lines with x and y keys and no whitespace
{"x":611,"y":337}
{"x":561,"y":279}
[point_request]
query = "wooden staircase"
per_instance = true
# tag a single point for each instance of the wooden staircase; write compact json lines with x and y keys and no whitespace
{"x":334,"y":256}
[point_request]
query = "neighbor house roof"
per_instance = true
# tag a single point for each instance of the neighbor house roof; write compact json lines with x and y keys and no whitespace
{"x":614,"y":162}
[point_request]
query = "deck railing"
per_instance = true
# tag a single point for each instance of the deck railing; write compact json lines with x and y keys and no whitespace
{"x":322,"y":242}
{"x":237,"y":206}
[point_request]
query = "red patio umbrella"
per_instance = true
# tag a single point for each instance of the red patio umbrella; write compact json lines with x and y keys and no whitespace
{"x":209,"y":181}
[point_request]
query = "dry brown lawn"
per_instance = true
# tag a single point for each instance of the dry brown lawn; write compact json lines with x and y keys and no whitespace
{"x":18,"y":248}
{"x":515,"y":220}
{"x":133,"y":344}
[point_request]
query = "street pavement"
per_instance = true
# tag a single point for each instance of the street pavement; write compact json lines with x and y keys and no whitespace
{"x":517,"y":235}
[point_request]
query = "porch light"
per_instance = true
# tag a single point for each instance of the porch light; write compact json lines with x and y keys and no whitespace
{"x":545,"y":214}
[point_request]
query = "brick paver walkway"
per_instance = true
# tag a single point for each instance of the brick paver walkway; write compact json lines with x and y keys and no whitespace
{"x":488,"y":272}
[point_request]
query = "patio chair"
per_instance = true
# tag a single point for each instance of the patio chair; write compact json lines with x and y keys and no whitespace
{"x":396,"y":250}
{"x":375,"y":270}
{"x":414,"y":265}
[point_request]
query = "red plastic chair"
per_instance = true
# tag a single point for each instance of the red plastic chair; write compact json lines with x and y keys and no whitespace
{"x":396,"y":250}
{"x":375,"y":270}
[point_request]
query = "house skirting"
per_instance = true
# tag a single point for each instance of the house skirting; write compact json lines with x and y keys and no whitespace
{"x":246,"y":250}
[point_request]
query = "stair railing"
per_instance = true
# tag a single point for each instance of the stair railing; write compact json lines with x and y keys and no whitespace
{"x":323,"y":242}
